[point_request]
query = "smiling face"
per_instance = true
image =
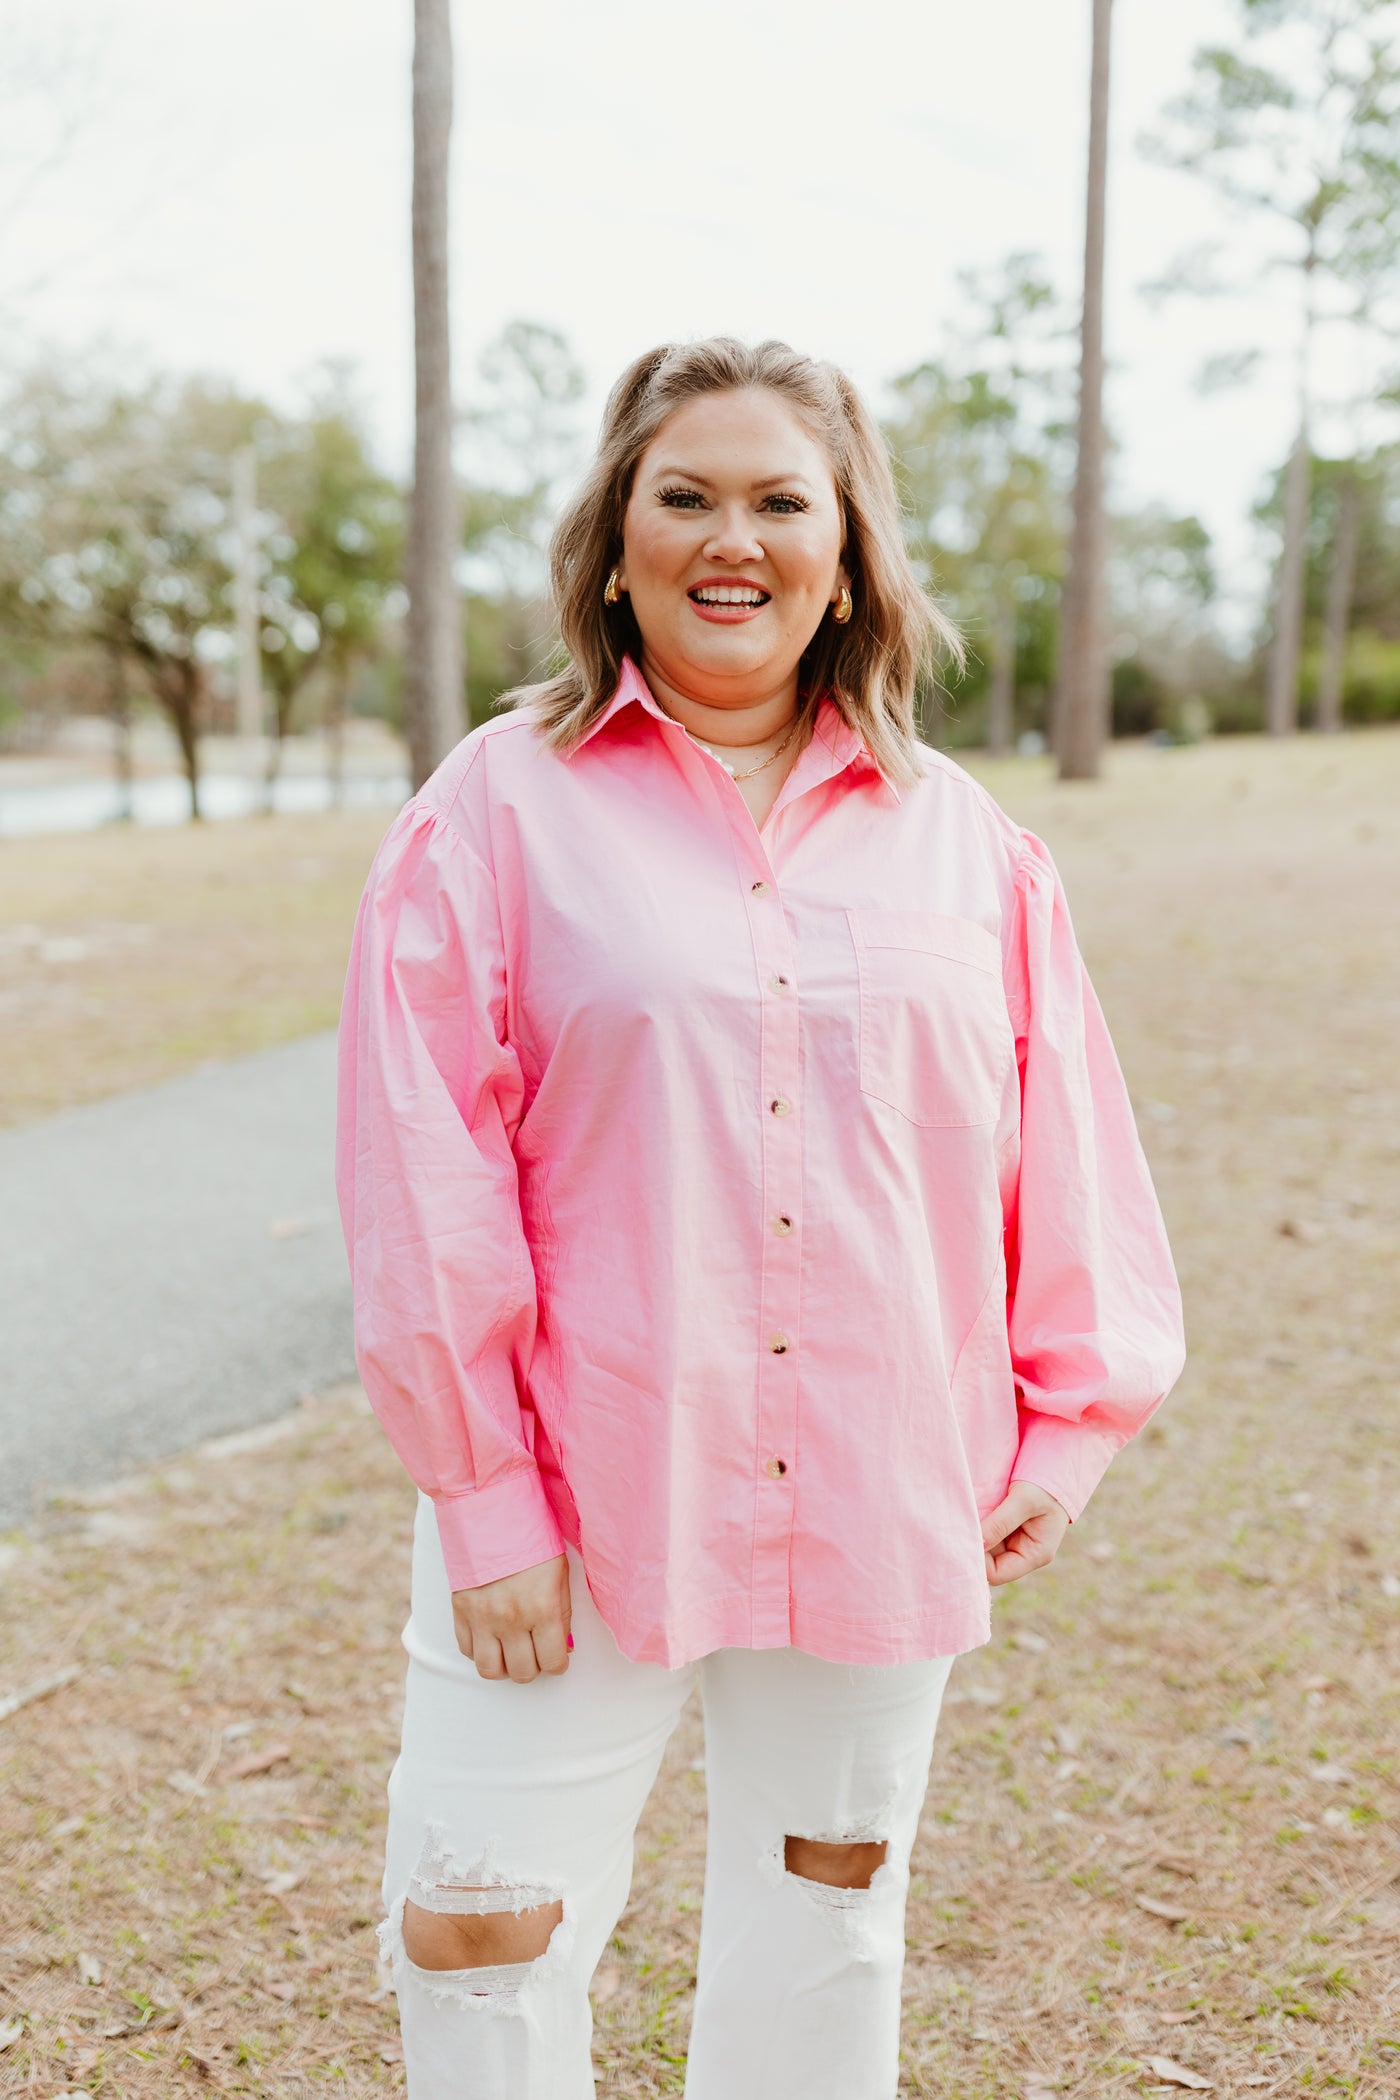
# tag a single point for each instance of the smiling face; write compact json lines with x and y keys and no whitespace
{"x":731,"y":548}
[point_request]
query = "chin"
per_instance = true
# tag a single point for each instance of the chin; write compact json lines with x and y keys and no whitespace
{"x":728,"y":649}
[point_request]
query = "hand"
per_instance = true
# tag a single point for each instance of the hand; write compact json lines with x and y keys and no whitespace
{"x":1023,"y":1532}
{"x":518,"y":1626}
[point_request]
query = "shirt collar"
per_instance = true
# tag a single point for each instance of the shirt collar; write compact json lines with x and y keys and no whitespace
{"x":836,"y":744}
{"x":631,"y":686}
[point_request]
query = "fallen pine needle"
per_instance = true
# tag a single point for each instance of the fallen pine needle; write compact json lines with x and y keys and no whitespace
{"x":1177,"y":2074}
{"x":259,"y":1761}
{"x":1168,"y":1911}
{"x":38,"y":1690}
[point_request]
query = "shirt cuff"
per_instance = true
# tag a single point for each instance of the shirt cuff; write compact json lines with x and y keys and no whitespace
{"x":1066,"y":1459}
{"x":496,"y":1530}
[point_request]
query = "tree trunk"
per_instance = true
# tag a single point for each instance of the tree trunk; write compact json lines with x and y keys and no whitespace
{"x":119,"y":706}
{"x":433,"y":633}
{"x":181,"y":689}
{"x":1337,"y":618}
{"x":1281,"y":716}
{"x":1081,"y":713}
{"x":1001,"y":690}
{"x":245,"y":596}
{"x":337,"y":707}
{"x":282,"y":715}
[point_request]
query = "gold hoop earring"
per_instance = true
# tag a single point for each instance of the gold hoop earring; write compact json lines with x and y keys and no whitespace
{"x":843,"y":608}
{"x":612,"y":590}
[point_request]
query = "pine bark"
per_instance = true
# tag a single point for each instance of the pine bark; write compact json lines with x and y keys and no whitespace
{"x":1337,"y":618}
{"x":1281,"y":712}
{"x":433,"y":668}
{"x":1082,"y":713}
{"x":1001,"y":687}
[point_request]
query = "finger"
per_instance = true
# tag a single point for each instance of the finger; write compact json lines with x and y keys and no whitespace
{"x":464,"y":1636}
{"x":1002,"y":1520}
{"x":551,"y":1647}
{"x":1021,"y":1556}
{"x":489,"y":1660}
{"x":520,"y":1658}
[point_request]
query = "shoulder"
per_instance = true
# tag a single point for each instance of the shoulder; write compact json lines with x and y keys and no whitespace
{"x":460,"y":791}
{"x":953,"y":794}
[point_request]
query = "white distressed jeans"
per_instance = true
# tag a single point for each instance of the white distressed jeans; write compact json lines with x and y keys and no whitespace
{"x":510,"y":1796}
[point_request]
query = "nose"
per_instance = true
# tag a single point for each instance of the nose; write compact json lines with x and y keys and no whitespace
{"x":733,"y":538}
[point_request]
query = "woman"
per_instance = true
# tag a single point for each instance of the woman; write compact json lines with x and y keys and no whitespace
{"x":754,"y":1260}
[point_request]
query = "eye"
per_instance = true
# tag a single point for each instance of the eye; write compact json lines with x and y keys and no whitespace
{"x":785,"y":506}
{"x":680,"y":499}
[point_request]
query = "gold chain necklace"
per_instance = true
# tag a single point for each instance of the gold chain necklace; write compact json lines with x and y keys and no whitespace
{"x":763,"y":763}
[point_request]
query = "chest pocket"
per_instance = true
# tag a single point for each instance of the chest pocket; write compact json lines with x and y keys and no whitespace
{"x":935,"y":1039}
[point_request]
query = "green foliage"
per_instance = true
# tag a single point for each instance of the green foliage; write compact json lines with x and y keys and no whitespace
{"x":978,"y":436}
{"x":522,"y":443}
{"x":330,"y":550}
{"x":1310,"y":141}
{"x":981,"y":441}
{"x":1371,"y":686}
{"x":1306,"y":132}
{"x":117,"y":537}
{"x":114,"y":532}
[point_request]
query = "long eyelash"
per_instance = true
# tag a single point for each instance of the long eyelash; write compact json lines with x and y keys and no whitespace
{"x":799,"y":503}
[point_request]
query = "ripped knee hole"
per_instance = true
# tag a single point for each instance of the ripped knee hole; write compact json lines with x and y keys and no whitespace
{"x":476,"y":1937}
{"x":837,"y":1864}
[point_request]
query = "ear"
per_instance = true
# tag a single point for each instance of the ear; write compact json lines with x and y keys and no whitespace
{"x":621,"y":566}
{"x":843,"y":581}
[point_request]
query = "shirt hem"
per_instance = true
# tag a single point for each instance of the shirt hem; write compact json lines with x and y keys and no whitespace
{"x":922,"y":1636}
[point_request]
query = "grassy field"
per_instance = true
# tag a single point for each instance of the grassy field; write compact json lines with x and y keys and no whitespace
{"x":1161,"y":1848}
{"x":127,"y":956}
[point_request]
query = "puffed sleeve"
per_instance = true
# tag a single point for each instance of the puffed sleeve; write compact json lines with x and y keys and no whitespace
{"x":430,"y":1092}
{"x":1094,"y":1309}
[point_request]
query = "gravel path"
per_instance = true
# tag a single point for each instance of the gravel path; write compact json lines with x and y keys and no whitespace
{"x":171,"y":1267}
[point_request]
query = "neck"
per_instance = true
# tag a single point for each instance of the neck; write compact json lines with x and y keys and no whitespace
{"x":747,"y":719}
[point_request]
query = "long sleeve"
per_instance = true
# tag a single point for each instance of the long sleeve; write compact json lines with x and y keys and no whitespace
{"x":1094,"y":1309}
{"x":430,"y":1091}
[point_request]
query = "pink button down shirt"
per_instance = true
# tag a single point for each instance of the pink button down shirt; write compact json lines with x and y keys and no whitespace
{"x":747,"y":1207}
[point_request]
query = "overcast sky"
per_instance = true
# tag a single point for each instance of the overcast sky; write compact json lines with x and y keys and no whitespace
{"x":234,"y":195}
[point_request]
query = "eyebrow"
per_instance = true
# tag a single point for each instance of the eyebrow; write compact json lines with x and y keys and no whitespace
{"x":770,"y":481}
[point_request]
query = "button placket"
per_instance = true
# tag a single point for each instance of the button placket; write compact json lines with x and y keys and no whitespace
{"x":780,"y":1135}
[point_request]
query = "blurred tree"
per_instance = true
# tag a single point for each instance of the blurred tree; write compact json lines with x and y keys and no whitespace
{"x":433,"y":638}
{"x":978,"y":435}
{"x":1308,"y":135}
{"x":525,"y":442}
{"x":1165,"y":655}
{"x":1340,"y":584}
{"x":115,"y":530}
{"x":1351,"y":603}
{"x":1082,"y":685}
{"x":330,"y":553}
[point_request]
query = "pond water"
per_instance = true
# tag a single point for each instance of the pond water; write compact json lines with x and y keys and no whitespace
{"x":85,"y":805}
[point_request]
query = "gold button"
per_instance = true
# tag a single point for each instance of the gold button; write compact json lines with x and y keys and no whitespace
{"x":781,"y":1106}
{"x":779,"y":1345}
{"x":776,"y":1467}
{"x":782,"y":1226}
{"x":760,"y":889}
{"x":778,"y":984}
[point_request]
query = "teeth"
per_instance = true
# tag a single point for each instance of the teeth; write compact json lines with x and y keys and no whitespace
{"x":730,"y":594}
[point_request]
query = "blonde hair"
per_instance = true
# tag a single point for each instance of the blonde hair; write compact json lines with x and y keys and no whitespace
{"x":870,"y":667}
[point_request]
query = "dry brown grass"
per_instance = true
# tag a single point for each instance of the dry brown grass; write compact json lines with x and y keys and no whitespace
{"x":127,"y":956}
{"x":1162,"y":1822}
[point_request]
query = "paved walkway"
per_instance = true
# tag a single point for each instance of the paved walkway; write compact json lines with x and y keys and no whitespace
{"x":171,"y":1268}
